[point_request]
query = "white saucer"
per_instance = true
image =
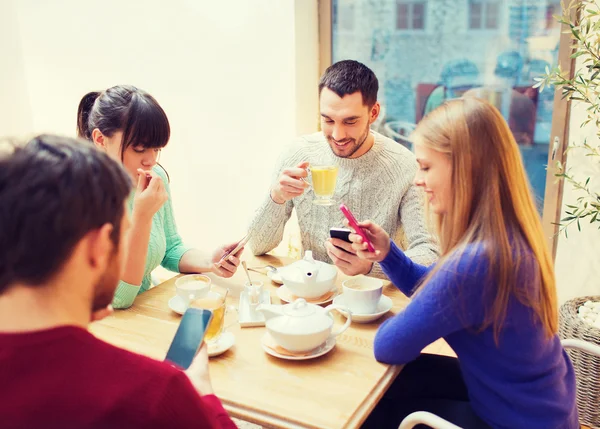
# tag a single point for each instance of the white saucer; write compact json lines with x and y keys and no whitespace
{"x":385,"y":305}
{"x":319,"y":351}
{"x":224,"y":343}
{"x":275,"y":277}
{"x":177,"y":305}
{"x":286,"y":295}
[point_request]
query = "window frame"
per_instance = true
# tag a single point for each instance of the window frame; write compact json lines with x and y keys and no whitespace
{"x":410,"y":16}
{"x":484,"y":15}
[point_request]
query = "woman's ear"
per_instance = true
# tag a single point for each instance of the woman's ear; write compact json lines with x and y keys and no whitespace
{"x":99,"y":139}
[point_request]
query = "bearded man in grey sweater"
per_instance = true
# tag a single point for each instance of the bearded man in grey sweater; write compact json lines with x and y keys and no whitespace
{"x":375,"y":179}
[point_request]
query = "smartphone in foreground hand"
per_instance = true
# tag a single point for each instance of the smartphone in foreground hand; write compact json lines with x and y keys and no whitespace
{"x":188,"y":337}
{"x":354,"y":224}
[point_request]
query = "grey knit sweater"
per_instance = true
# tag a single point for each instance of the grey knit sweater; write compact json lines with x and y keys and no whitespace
{"x":376,"y":186}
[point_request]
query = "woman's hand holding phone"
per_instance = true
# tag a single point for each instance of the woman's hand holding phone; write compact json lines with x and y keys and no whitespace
{"x":380,"y":240}
{"x":224,"y":262}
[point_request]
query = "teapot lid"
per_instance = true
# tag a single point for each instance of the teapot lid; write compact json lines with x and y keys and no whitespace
{"x":299,"y":308}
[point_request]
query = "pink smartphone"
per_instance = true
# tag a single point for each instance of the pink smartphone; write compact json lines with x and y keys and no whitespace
{"x":354,"y":224}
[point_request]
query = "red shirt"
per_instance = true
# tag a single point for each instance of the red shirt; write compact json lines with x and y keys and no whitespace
{"x":67,"y":378}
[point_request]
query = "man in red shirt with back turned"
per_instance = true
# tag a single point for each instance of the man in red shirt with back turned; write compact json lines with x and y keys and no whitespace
{"x":62,"y":225}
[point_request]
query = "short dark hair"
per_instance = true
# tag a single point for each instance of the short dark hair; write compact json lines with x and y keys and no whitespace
{"x":53,"y":191}
{"x":347,"y":77}
{"x":128,"y":109}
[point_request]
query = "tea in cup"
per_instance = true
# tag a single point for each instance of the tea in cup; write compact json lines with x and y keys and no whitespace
{"x":323,"y":183}
{"x":214,"y":302}
{"x":362,"y":294}
{"x":192,"y":286}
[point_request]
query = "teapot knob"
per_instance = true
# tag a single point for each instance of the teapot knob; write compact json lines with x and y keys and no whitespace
{"x":308,"y":256}
{"x":299,"y":303}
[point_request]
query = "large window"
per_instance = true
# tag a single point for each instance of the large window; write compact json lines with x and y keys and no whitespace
{"x":484,"y":14}
{"x":344,"y":15}
{"x":426,"y":52}
{"x":410,"y":15}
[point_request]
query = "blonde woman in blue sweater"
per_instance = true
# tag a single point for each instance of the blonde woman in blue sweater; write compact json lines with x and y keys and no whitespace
{"x":130,"y":125}
{"x":491,"y":296}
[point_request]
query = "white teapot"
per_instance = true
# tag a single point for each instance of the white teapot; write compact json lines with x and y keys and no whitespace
{"x":300,"y":326}
{"x":308,"y":278}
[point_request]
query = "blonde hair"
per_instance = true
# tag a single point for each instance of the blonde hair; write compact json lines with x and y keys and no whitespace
{"x":492,"y":204}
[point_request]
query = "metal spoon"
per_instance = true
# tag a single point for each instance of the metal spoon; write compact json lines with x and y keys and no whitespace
{"x":247,"y":272}
{"x":266,"y":267}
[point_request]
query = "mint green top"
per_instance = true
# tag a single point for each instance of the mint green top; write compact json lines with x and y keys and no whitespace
{"x":164,"y":248}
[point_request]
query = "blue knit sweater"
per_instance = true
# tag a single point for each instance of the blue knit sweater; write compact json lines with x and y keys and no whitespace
{"x":527,"y":381}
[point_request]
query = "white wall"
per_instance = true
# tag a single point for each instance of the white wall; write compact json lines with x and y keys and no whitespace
{"x":224,"y":71}
{"x":15,"y":112}
{"x":307,"y":65}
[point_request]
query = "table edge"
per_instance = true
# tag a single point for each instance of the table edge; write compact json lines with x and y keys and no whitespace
{"x":356,"y":419}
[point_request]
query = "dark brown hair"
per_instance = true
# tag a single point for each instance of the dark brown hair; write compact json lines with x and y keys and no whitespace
{"x":128,"y":109}
{"x":349,"y":76}
{"x":54,"y":190}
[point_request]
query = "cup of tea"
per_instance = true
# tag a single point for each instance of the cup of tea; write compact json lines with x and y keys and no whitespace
{"x":192,"y":286}
{"x":362,"y":294}
{"x":215,"y":302}
{"x":323,"y":183}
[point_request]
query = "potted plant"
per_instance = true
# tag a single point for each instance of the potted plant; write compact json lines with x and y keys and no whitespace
{"x":582,"y":18}
{"x":583,"y":87}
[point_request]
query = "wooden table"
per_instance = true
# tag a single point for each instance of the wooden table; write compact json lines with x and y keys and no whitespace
{"x":337,"y":390}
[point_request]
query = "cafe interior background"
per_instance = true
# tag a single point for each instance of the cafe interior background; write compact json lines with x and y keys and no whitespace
{"x":238,"y":80}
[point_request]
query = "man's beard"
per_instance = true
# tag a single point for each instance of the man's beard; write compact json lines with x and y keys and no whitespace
{"x":353,"y":146}
{"x":104,"y":290}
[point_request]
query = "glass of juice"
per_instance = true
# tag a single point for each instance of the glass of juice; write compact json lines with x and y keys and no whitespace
{"x":323,"y":183}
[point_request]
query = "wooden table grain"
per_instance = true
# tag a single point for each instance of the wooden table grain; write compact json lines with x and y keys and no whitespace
{"x":337,"y":390}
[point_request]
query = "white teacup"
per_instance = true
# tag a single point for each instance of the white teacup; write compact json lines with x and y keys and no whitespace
{"x":362,"y":294}
{"x":192,"y":286}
